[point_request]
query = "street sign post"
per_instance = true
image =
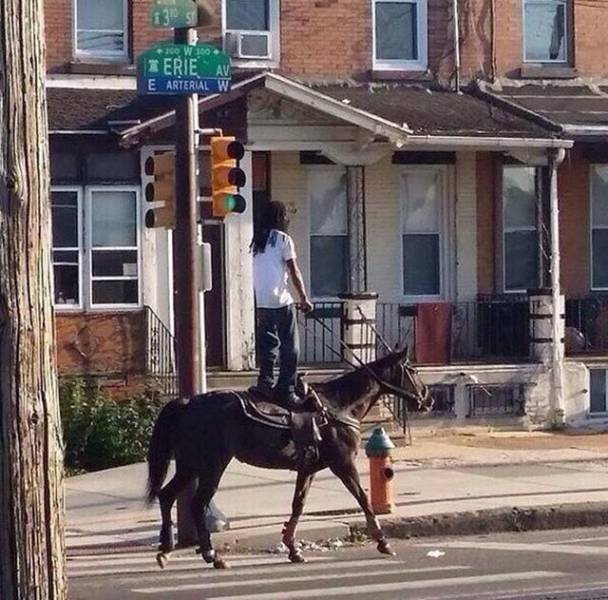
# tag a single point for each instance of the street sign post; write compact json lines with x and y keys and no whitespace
{"x":183,"y":69}
{"x":174,"y":13}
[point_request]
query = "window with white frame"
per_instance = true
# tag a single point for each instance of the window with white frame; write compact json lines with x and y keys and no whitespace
{"x":102,"y":268}
{"x":422,"y":231}
{"x":599,"y":227}
{"x":520,"y":237}
{"x":67,"y":246}
{"x":101,"y":28}
{"x":597,"y":392}
{"x":400,"y":34}
{"x":546,"y":27}
{"x":251,"y":29}
{"x":329,"y":257}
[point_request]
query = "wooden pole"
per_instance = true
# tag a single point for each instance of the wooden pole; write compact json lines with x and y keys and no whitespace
{"x":32,"y":546}
{"x":185,"y":273}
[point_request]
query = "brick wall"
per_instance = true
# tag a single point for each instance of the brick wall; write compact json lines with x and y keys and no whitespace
{"x":319,"y":38}
{"x":589,"y":24}
{"x":108,"y":346}
{"x":573,"y":189}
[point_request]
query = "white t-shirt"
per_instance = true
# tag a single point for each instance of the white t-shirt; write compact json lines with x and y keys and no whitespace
{"x":270,"y":275}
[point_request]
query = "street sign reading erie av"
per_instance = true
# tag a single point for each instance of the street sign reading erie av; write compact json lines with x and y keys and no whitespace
{"x":183,"y":69}
{"x":174,"y":13}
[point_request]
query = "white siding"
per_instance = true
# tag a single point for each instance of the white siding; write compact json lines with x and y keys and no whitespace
{"x":466,"y":226}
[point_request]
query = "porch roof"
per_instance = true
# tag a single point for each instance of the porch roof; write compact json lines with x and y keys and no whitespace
{"x":98,"y":111}
{"x":402,"y":114}
{"x":577,"y":109}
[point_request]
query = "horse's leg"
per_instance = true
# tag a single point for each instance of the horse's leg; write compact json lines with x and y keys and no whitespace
{"x":166,"y":498}
{"x":207,"y":486}
{"x":347,"y":472}
{"x":303,"y":484}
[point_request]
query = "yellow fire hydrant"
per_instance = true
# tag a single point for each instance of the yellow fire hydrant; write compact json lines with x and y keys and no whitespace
{"x":379,"y":449}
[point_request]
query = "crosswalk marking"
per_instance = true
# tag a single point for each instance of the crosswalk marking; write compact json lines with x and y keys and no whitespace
{"x":400,"y":586}
{"x":181,"y":564}
{"x":517,"y":547}
{"x":389,"y":569}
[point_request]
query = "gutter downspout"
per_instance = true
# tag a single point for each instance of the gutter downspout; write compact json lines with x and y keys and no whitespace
{"x":556,"y":156}
{"x":456,"y":44}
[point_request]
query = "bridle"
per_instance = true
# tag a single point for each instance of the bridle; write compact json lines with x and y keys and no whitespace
{"x":389,"y":388}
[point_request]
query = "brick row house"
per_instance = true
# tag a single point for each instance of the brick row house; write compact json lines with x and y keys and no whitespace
{"x":414,"y":142}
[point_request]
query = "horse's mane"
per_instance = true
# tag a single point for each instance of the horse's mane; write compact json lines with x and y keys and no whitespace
{"x":355,"y":382}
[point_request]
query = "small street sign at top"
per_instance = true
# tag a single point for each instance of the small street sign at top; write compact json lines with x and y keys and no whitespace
{"x":183,"y":69}
{"x":174,"y":13}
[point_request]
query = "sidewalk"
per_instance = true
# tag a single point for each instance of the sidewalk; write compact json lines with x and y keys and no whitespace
{"x":435,"y":476}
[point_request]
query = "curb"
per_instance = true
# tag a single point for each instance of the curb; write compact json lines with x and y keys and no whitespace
{"x":516,"y":519}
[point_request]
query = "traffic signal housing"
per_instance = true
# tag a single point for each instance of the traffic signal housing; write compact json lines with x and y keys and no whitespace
{"x":162,"y":189}
{"x":226,"y":176}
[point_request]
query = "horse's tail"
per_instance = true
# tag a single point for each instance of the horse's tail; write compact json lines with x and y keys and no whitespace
{"x":161,"y":447}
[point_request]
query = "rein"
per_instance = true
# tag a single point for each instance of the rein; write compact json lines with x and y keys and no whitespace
{"x":389,"y":387}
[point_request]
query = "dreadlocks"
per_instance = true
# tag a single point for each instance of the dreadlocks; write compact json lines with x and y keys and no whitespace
{"x":275,"y":217}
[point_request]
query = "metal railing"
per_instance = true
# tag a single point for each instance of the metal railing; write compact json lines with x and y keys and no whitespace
{"x":587,"y":324}
{"x":161,"y":368}
{"x":319,"y":345}
{"x":497,"y":400}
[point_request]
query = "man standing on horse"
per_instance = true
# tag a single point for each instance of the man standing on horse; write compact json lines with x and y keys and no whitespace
{"x":274,"y":267}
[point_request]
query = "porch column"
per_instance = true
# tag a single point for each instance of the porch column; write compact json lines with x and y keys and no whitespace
{"x":556,"y":156}
{"x":355,"y":192}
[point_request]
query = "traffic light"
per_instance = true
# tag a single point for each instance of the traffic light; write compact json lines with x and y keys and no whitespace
{"x":226,"y":176}
{"x":162,"y":189}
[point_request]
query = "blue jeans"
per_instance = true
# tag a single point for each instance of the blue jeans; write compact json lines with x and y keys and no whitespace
{"x":277,"y":335}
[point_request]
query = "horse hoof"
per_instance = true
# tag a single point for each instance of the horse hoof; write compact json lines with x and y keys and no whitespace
{"x":162,"y":559}
{"x":385,"y":548}
{"x":297,"y":557}
{"x":208,"y":555}
{"x":220,"y":563}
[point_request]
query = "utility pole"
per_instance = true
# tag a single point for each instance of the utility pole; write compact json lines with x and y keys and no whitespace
{"x":32,"y":545}
{"x":186,"y":273}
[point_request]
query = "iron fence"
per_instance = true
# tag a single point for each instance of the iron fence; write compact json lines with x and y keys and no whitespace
{"x":587,"y":324}
{"x":160,"y":355}
{"x":497,"y":400}
{"x":319,"y":343}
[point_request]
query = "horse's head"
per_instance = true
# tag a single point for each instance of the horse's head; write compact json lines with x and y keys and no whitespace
{"x":404,"y":377}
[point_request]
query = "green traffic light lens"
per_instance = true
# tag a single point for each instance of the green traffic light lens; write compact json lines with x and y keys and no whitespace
{"x":236,"y":203}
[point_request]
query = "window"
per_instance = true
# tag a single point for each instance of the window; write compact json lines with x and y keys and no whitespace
{"x":400,"y":34}
{"x":597,"y":400}
{"x":101,"y":28}
{"x":329,"y":259}
{"x":520,"y":238}
{"x":599,"y":227}
{"x":546,"y":31}
{"x":251,"y":30}
{"x":102,"y":268}
{"x":67,"y":246}
{"x":422,"y":232}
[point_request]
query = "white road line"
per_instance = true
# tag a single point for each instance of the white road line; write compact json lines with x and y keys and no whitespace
{"x":602,"y":538}
{"x":301,"y":579}
{"x":518,"y":547}
{"x":126,"y":560}
{"x":183,"y":565}
{"x":380,"y":588}
{"x":281,"y":568}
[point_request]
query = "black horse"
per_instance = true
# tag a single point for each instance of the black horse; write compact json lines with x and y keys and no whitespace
{"x":206,"y":433}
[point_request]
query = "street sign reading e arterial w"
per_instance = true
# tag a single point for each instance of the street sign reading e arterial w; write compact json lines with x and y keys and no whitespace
{"x":183,"y":69}
{"x":174,"y":13}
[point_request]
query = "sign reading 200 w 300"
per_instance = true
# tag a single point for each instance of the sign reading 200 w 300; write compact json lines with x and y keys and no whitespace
{"x":183,"y":69}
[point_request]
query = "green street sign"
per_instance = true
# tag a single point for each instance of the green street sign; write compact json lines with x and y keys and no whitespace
{"x":174,"y":13}
{"x":183,"y":69}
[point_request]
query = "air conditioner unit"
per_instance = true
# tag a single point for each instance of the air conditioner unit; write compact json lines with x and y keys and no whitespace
{"x":248,"y":44}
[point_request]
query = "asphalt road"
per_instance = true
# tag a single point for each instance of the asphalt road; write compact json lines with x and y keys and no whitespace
{"x":555,"y":565}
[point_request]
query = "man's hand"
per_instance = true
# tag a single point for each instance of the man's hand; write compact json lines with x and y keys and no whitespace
{"x":305,"y":305}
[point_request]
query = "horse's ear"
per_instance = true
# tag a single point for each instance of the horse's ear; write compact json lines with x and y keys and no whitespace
{"x":404,"y":352}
